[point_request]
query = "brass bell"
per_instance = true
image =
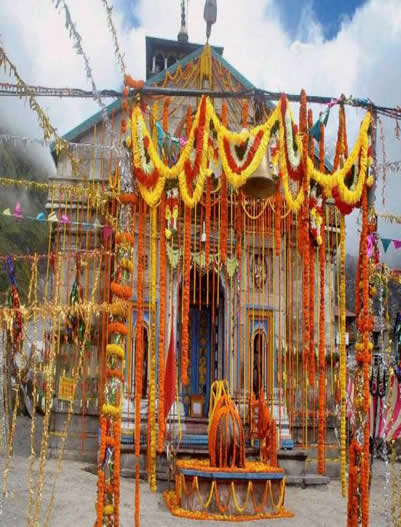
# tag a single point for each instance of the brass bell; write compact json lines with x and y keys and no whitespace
{"x":261,"y":184}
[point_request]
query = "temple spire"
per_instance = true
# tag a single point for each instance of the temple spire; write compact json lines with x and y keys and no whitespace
{"x":183,"y":34}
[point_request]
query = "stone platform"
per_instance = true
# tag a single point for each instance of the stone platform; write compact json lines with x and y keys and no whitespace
{"x":241,"y":494}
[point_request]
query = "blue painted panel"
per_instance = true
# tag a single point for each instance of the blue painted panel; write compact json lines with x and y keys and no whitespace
{"x":232,"y":475}
{"x":199,"y":360}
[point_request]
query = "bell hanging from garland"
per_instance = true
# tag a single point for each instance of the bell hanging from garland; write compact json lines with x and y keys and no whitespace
{"x":262,"y":183}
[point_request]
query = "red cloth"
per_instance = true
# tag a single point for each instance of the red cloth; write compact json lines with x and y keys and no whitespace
{"x":170,"y":377}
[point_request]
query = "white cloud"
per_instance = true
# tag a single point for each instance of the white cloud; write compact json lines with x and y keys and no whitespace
{"x":362,"y":60}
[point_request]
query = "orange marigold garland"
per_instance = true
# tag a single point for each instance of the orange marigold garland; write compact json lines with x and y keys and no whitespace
{"x":304,"y":246}
{"x":343,"y":356}
{"x":278,"y":206}
{"x":223,"y":219}
{"x":165,"y":113}
{"x":360,"y":468}
{"x":311,"y":141}
{"x":245,"y":110}
{"x":186,"y":293}
{"x":162,"y":320}
{"x":208,"y":208}
{"x":224,"y":113}
{"x":322,"y":358}
{"x":108,"y":499}
{"x":189,"y":120}
{"x":312,"y":360}
{"x":238,"y":226}
{"x":139,"y":354}
{"x":224,"y":206}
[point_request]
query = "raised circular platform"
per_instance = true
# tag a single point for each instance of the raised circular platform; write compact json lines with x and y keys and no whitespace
{"x":232,"y":494}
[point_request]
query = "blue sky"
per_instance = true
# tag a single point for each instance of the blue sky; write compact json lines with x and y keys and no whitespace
{"x":329,"y":13}
{"x":279,"y":45}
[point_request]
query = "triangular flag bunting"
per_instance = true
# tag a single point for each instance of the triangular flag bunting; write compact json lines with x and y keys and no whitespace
{"x":397,"y":243}
{"x":6,"y":212}
{"x":41,"y":216}
{"x":18,"y":211}
{"x":386,"y":243}
{"x":52,"y":217}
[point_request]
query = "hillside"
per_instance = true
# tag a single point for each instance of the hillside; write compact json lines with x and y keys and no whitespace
{"x":23,"y":236}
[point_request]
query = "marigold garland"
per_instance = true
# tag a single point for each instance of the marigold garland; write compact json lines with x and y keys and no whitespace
{"x":128,"y":199}
{"x":122,"y":291}
{"x":185,"y":296}
{"x":312,"y":359}
{"x":277,"y":223}
{"x":125,"y":237}
{"x":204,"y":465}
{"x":343,"y":357}
{"x":189,"y":120}
{"x":115,"y":349}
{"x":223,"y":219}
{"x":245,"y":110}
{"x":173,"y":500}
{"x":237,"y":171}
{"x":139,"y":355}
{"x":322,"y":357}
{"x":117,"y":327}
{"x":224,"y":114}
{"x":152,"y":383}
{"x":116,"y":471}
{"x":165,"y":114}
{"x":162,"y":319}
{"x":111,"y":410}
{"x":208,"y":209}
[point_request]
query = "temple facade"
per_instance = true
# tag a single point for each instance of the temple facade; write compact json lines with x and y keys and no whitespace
{"x":245,"y":319}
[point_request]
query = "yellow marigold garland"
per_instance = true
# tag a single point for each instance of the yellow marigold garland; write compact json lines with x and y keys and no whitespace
{"x":343,"y":358}
{"x":327,"y":182}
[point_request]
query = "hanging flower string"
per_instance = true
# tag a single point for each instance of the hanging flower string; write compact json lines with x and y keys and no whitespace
{"x":108,"y":499}
{"x":152,"y":172}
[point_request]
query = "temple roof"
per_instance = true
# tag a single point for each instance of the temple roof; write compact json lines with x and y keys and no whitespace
{"x":232,"y":77}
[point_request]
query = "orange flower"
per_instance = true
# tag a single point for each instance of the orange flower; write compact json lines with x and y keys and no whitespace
{"x":311,"y":361}
{"x":165,"y":113}
{"x":122,"y":291}
{"x":278,"y":204}
{"x":117,"y":327}
{"x":207,"y":220}
{"x":189,"y":119}
{"x":186,"y":293}
{"x":162,"y":320}
{"x":223,"y":218}
{"x":224,"y":114}
{"x":245,"y":109}
{"x":322,"y":358}
{"x":139,"y":330}
{"x":128,"y":199}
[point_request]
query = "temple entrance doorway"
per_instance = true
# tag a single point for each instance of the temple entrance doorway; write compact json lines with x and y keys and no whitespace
{"x":206,"y":341}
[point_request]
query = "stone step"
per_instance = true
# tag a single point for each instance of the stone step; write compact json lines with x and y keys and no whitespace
{"x":307,"y":480}
{"x":332,"y":467}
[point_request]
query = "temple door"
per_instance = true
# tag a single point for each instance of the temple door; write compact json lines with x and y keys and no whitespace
{"x":199,"y":354}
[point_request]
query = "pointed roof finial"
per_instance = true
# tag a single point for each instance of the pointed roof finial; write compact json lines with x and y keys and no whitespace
{"x":183,"y":34}
{"x":210,"y":16}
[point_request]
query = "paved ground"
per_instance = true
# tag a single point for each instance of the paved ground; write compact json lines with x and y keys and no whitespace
{"x":76,"y":493}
